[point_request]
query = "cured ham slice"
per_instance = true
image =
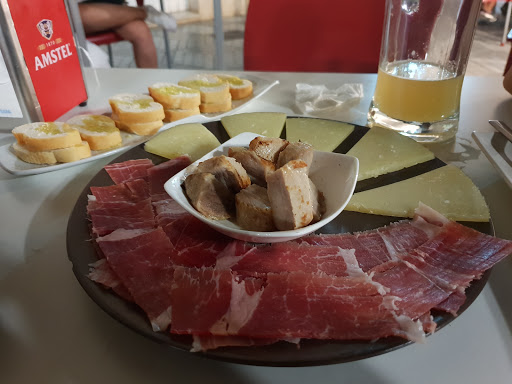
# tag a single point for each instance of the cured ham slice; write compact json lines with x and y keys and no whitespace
{"x":375,"y":247}
{"x":325,"y":307}
{"x":284,"y":305}
{"x":159,"y":174}
{"x":205,"y":343}
{"x":417,"y":294}
{"x":453,"y":303}
{"x":225,"y":292}
{"x":195,"y":243}
{"x":457,"y":255}
{"x":131,"y":191}
{"x":288,"y":257}
{"x":101,"y":273}
{"x":129,"y":170}
{"x":168,"y":210}
{"x":370,"y":248}
{"x":142,"y":261}
{"x":200,"y":297}
{"x":107,"y":217}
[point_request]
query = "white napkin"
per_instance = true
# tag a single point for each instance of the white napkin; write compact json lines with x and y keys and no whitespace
{"x":314,"y":99}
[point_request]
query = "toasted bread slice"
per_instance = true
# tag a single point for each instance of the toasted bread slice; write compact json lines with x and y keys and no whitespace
{"x":178,"y":114}
{"x":141,"y":129}
{"x":222,"y":106}
{"x":136,"y":108}
{"x":42,"y":136}
{"x":63,"y":155}
{"x":98,"y":130}
{"x":212,"y":88}
{"x":173,"y":96}
{"x":239,"y":88}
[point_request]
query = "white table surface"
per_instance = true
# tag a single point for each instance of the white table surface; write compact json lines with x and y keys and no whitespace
{"x":52,"y":332}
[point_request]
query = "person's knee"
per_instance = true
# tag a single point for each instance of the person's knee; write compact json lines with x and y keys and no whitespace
{"x":135,"y":31}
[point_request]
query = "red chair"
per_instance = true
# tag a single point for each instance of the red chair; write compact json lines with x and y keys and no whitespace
{"x":313,"y":36}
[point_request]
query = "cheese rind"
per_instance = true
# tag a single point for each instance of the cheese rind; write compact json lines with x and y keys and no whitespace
{"x":447,"y":190}
{"x":268,"y":124}
{"x":323,"y":135}
{"x":382,"y":151}
{"x":193,"y":140}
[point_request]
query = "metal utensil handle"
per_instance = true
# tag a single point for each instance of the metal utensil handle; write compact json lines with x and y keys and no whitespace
{"x":502,"y":128}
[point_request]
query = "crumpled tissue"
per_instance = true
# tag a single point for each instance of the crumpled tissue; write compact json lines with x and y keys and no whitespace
{"x":315,"y":99}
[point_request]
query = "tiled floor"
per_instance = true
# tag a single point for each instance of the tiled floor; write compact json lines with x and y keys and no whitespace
{"x":193,"y":47}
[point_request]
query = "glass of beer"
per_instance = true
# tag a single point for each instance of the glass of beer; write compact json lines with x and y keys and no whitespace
{"x":424,"y":53}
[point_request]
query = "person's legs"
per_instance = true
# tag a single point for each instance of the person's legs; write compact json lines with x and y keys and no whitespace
{"x":488,"y":6}
{"x":98,"y":17}
{"x":138,"y":33}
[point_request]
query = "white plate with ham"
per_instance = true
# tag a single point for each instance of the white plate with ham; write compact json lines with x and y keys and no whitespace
{"x":334,"y":174}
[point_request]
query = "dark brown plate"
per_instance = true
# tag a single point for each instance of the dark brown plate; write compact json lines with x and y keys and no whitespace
{"x":312,"y":352}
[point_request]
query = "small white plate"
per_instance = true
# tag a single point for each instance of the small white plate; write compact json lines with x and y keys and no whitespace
{"x":334,"y":174}
{"x":499,"y":152}
{"x":12,"y":164}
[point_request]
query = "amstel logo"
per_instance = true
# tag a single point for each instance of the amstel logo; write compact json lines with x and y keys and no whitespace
{"x":45,"y":27}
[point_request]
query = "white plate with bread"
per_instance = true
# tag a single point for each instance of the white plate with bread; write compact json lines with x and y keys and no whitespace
{"x":45,"y":147}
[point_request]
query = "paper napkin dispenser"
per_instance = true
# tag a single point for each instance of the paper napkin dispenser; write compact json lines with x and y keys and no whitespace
{"x":40,"y":72}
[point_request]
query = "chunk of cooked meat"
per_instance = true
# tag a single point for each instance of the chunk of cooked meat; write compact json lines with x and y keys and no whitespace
{"x":253,"y":211}
{"x":227,"y":170}
{"x":268,"y":148}
{"x":290,"y":196}
{"x":256,"y":167}
{"x":296,"y":151}
{"x":318,"y":201}
{"x":209,"y":196}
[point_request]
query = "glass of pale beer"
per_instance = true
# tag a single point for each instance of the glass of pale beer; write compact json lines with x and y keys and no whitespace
{"x":424,"y":53}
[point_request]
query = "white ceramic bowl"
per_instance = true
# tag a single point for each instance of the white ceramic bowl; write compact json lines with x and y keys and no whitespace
{"x":334,"y":174}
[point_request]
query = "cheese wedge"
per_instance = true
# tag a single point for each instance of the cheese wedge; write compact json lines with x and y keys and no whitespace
{"x":268,"y":124}
{"x":193,"y":140}
{"x":447,"y":190}
{"x":323,"y":135}
{"x":382,"y":150}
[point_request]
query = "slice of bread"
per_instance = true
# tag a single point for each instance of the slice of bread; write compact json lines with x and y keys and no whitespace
{"x":239,"y":88}
{"x":98,"y":130}
{"x":173,"y":96}
{"x":212,"y":88}
{"x":42,"y":136}
{"x":136,"y":108}
{"x":63,"y":155}
{"x":74,"y":153}
{"x":141,"y":129}
{"x":178,"y":114}
{"x":222,"y":106}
